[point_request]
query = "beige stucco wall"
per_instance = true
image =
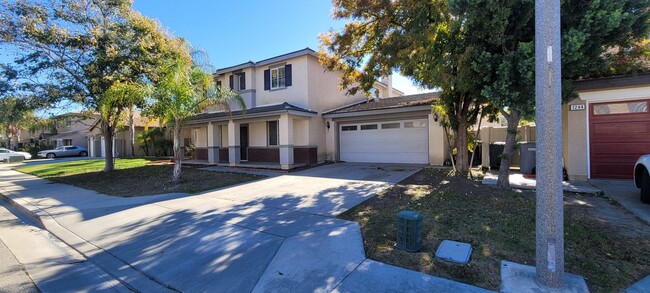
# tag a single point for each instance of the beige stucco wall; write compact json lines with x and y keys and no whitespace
{"x":574,"y":146}
{"x":257,"y":134}
{"x":324,"y":89}
{"x":438,"y":147}
{"x":202,"y":141}
{"x":301,"y":132}
{"x":331,"y":140}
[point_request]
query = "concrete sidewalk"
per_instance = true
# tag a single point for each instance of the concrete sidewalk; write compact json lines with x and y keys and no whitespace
{"x":34,"y":260}
{"x":625,"y":193}
{"x":276,"y":234}
{"x":517,"y":180}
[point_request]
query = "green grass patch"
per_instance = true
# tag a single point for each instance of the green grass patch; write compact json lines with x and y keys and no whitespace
{"x":500,"y":225}
{"x":134,"y":177}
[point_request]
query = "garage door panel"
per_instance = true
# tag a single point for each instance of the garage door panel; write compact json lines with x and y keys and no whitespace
{"x":620,"y":149}
{"x":393,"y":145}
{"x":617,"y":170}
{"x":617,"y":138}
{"x":364,"y":157}
{"x":621,"y":129}
{"x":396,"y":147}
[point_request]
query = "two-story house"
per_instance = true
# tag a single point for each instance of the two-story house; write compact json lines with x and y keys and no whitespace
{"x":296,"y":115}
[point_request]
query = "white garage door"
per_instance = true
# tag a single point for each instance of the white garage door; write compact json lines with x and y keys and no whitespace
{"x":385,"y":142}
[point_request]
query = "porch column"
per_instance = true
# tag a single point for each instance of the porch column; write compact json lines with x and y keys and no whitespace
{"x":234,"y":150}
{"x":286,"y":141}
{"x":91,"y":146}
{"x":214,"y":141}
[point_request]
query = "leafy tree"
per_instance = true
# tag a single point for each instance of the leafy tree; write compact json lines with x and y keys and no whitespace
{"x":82,"y":49}
{"x":13,"y":112}
{"x":425,"y":41}
{"x":130,"y":94}
{"x":185,"y":90}
{"x":503,"y":32}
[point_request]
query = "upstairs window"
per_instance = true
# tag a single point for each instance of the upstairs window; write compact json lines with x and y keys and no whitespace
{"x":277,"y":78}
{"x":237,"y":81}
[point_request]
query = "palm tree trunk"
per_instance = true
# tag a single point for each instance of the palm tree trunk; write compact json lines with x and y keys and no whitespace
{"x":176,"y":175}
{"x":132,"y":132}
{"x":109,"y":165}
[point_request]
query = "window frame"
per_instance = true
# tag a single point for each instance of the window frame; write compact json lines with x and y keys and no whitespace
{"x":279,"y":78}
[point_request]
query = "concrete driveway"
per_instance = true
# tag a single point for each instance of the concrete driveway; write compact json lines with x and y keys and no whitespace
{"x":278,"y":234}
{"x":624,"y":192}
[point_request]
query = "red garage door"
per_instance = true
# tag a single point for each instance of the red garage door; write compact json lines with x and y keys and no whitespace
{"x":619,"y":132}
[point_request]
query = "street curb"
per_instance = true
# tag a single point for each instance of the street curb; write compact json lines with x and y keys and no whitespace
{"x":23,"y":210}
{"x":128,"y":276}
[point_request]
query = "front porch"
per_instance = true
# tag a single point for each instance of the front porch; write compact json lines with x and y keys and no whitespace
{"x":278,"y":138}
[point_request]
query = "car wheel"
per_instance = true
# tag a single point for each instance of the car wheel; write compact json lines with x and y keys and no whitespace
{"x":645,"y":187}
{"x":83,"y":154}
{"x":51,"y":156}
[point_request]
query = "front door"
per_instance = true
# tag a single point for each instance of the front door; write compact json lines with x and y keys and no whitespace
{"x":243,"y":142}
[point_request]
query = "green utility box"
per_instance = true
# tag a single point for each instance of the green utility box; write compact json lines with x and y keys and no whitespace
{"x":409,"y":231}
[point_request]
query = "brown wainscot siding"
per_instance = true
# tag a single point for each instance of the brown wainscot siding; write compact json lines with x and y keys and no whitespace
{"x":223,"y":155}
{"x":201,"y":153}
{"x":305,"y":155}
{"x":264,"y":155}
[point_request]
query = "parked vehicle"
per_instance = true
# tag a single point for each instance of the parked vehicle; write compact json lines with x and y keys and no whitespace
{"x":5,"y":154}
{"x":642,"y":178}
{"x":64,"y":151}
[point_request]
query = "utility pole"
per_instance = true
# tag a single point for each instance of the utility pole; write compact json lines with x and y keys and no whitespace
{"x":548,"y":111}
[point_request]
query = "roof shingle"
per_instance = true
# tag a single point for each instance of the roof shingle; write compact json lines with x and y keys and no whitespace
{"x":389,"y":103}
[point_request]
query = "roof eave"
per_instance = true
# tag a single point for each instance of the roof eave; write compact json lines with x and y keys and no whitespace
{"x":252,"y":115}
{"x":379,"y":111}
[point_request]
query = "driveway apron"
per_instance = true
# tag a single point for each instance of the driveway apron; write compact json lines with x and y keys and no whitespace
{"x":275,"y":234}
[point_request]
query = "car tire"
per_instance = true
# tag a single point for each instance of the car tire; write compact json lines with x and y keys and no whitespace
{"x":51,"y":156}
{"x":645,"y":186}
{"x":83,"y":154}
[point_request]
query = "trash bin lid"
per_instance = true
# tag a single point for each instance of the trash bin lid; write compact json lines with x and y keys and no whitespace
{"x":409,"y":215}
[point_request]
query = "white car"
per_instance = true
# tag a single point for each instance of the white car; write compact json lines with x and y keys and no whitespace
{"x":642,"y":178}
{"x":5,"y":154}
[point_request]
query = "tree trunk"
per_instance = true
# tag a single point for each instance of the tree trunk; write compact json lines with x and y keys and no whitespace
{"x":176,"y":175}
{"x":7,"y":139}
{"x":132,"y":132}
{"x":476,"y":139}
{"x":506,"y":158}
{"x":109,"y":165}
{"x":461,"y":147}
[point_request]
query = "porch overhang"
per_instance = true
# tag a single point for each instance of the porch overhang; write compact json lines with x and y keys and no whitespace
{"x":258,"y":112}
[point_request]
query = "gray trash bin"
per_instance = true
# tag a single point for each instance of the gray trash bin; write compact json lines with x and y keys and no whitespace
{"x":527,"y":156}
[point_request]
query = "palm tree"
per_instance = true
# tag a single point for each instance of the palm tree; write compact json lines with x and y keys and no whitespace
{"x":185,"y":90}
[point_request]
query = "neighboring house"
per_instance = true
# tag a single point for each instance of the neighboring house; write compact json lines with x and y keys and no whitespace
{"x":121,"y":140}
{"x":67,"y":129}
{"x":604,"y":131}
{"x":297,"y":115}
{"x":82,"y":130}
{"x":607,"y":128}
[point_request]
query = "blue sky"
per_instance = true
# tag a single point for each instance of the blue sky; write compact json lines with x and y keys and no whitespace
{"x":233,"y":32}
